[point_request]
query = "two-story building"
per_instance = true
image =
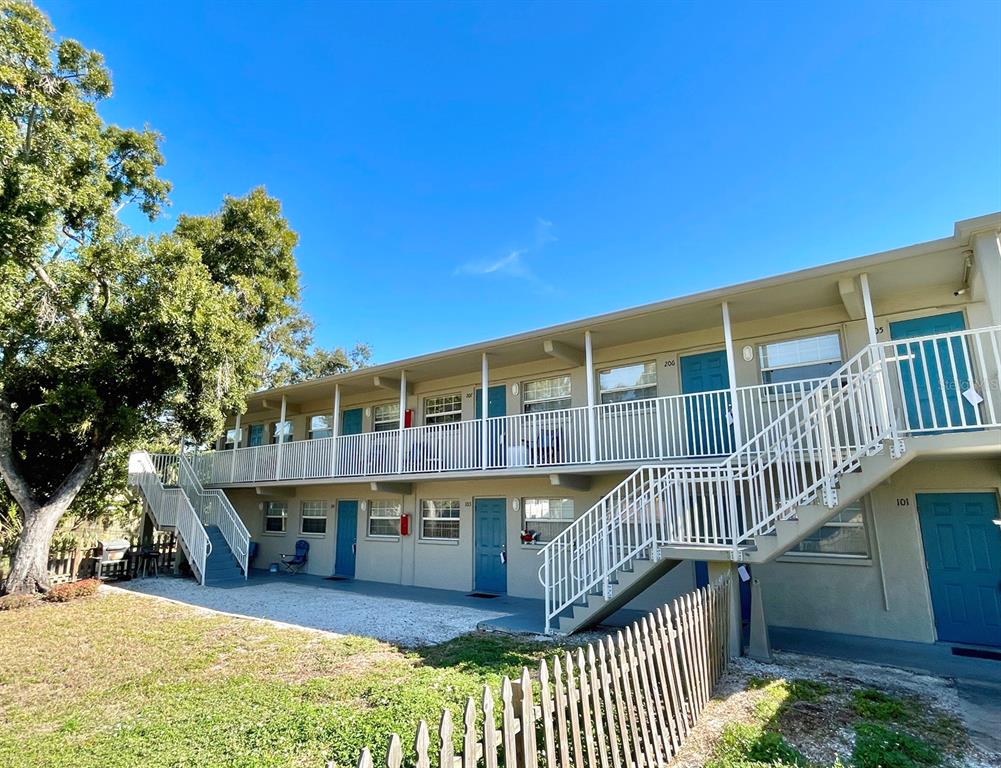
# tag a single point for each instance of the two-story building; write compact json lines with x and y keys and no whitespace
{"x":837,"y":428}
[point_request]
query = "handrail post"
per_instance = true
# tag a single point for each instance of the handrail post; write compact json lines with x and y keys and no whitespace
{"x":549,"y":587}
{"x":403,"y":411}
{"x":732,"y":492}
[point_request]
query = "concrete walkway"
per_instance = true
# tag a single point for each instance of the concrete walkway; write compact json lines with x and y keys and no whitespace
{"x":408,"y":616}
{"x":978,"y":681}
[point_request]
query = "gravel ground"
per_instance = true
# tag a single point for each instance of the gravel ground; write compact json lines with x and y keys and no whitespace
{"x":820,"y":734}
{"x":401,"y":622}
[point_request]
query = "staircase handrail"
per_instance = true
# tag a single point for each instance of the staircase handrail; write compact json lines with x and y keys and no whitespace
{"x":738,"y":467}
{"x":228,"y":521}
{"x":171,"y":507}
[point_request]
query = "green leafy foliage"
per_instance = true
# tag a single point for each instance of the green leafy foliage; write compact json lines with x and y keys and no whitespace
{"x":877,"y":746}
{"x":744,"y":744}
{"x":109,"y":340}
{"x":877,"y":705}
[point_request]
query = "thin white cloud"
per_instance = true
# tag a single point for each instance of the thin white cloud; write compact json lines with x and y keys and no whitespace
{"x":514,"y":263}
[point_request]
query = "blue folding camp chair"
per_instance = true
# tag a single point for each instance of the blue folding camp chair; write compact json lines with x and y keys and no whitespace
{"x":294,"y":563}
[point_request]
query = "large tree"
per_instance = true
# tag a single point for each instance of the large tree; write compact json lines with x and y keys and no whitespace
{"x":104,"y":334}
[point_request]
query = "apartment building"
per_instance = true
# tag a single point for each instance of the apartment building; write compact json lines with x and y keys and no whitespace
{"x":836,"y":429}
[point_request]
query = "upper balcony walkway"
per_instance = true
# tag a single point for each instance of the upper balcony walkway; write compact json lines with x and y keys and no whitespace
{"x":939,"y":383}
{"x":614,"y":435}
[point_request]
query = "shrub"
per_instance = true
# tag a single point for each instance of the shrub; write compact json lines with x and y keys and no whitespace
{"x":62,"y":593}
{"x":879,"y":747}
{"x":876,"y":705}
{"x":742,"y":745}
{"x":13,"y":602}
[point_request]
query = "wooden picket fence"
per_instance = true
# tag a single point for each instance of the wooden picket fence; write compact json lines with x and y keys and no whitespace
{"x":627,"y":701}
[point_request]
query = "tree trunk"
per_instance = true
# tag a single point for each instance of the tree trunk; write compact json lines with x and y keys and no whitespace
{"x":30,"y":568}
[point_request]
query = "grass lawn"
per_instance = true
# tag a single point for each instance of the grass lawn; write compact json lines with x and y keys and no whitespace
{"x":117,"y":680}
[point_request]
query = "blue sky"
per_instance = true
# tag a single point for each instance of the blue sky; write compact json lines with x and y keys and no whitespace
{"x":458,"y":171}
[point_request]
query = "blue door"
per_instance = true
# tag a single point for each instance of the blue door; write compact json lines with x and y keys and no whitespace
{"x":490,"y":524}
{"x":347,"y":536}
{"x":963,"y":555}
{"x":351,"y":422}
{"x":934,"y":374}
{"x":709,"y":431}
{"x":496,"y":406}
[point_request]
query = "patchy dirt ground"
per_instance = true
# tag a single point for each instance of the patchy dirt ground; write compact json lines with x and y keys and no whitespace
{"x":818,"y":717}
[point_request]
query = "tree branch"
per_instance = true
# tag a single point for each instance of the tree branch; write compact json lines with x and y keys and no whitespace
{"x":11,"y":475}
{"x":70,"y":486}
{"x":74,"y":318}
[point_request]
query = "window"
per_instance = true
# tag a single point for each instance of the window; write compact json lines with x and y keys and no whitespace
{"x":232,"y":438}
{"x":321,"y":426}
{"x":440,"y":519}
{"x":842,"y":536}
{"x":443,"y":409}
{"x":275,"y":517}
{"x":546,"y":394}
{"x":628,"y":382}
{"x":255,"y":435}
{"x":384,"y":518}
{"x":814,"y":357}
{"x":546,"y":517}
{"x":314,"y":517}
{"x":386,"y":416}
{"x":276,"y":429}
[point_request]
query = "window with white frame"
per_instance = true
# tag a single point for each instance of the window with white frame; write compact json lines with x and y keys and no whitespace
{"x":231,"y":439}
{"x":314,"y":517}
{"x":440,"y":519}
{"x":384,"y":518}
{"x":625,"y":383}
{"x":276,"y":430}
{"x":548,"y":394}
{"x":275,"y":517}
{"x":385,"y":416}
{"x":321,"y":426}
{"x":812,"y":357}
{"x":443,"y":409}
{"x":843,"y":536}
{"x":546,"y":517}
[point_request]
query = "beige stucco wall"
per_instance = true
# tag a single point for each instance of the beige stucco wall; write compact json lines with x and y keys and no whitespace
{"x":411,"y":560}
{"x":850,"y":597}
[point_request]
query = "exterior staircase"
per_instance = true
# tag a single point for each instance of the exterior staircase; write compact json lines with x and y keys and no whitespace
{"x":221,"y":566}
{"x":211,"y":534}
{"x":837,"y":442}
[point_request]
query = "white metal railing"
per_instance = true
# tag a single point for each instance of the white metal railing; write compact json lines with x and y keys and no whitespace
{"x":214,"y":508}
{"x":945,"y":382}
{"x":170,"y":506}
{"x":692,"y":426}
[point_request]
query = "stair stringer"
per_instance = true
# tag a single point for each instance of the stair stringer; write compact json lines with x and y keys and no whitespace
{"x":628,"y":584}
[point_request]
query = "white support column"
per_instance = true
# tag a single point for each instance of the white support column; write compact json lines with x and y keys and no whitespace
{"x":870,"y":319}
{"x":592,"y":433}
{"x":738,"y":437}
{"x":336,"y":430}
{"x":236,"y":445}
{"x":281,"y":440}
{"x":484,"y":402}
{"x":403,"y":412}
